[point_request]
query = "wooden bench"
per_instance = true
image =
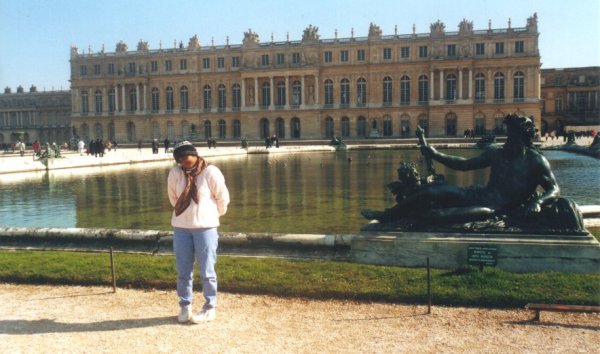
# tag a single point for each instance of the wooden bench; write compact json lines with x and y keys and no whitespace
{"x":560,"y":308}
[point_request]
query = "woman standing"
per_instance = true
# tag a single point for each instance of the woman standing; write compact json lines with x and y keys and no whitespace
{"x":199,"y":196}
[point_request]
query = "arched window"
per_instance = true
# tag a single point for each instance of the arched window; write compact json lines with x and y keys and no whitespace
{"x":155,"y":100}
{"x":266,"y":94}
{"x":451,"y":94}
{"x":222,"y":97}
{"x":479,"y":124}
{"x":423,"y":89}
{"x":405,"y":90}
{"x":345,"y":127}
{"x":111,"y":101}
{"x":295,"y":126}
{"x":236,"y":97}
{"x":222,"y":129}
{"x":98,"y":95}
{"x":361,"y":92}
{"x":185,"y":130}
{"x":133,"y":100}
{"x":499,"y":87}
{"x":479,"y":87}
{"x":329,"y":127}
{"x":131,"y":132}
{"x":345,"y":92}
{"x":361,"y":127}
{"x":85,"y":102}
{"x":237,"y":129}
{"x":387,"y":126}
{"x":155,"y":130}
{"x":405,"y":125}
{"x":98,"y":132}
{"x":296,"y":93}
{"x":170,"y":131}
{"x":264,"y":128}
{"x":499,"y":124}
{"x":387,"y":91}
{"x":207,"y":99}
{"x":280,"y":100}
{"x":85,"y":132}
{"x":280,"y":128}
{"x":424,"y":123}
{"x":111,"y":130}
{"x":207,"y":129}
{"x":519,"y":87}
{"x":184,"y":104}
{"x":451,"y":124}
{"x":328,"y":93}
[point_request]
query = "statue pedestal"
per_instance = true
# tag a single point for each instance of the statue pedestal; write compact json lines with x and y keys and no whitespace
{"x":519,"y":253}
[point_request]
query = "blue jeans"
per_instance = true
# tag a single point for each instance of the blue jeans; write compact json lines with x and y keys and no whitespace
{"x":200,"y":244}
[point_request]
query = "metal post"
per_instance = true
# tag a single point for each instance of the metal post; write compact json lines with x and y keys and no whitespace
{"x":112,"y":269}
{"x":428,"y":288}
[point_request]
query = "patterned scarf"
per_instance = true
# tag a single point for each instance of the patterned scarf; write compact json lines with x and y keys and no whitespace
{"x":190,"y":191}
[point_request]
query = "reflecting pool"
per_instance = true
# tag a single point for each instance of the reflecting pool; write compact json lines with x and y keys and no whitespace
{"x":282,"y":193}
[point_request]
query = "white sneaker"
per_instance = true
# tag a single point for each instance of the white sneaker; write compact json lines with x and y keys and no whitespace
{"x":204,"y":316}
{"x":185,"y":314}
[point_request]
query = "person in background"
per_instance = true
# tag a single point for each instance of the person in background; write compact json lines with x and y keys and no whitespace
{"x":199,"y":196}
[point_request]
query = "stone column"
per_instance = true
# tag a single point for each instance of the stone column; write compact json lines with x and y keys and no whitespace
{"x":460,"y":84}
{"x":124,"y":107}
{"x":302,"y":93}
{"x":287,"y":92}
{"x":145,"y":95}
{"x":255,"y":92}
{"x":441,"y":84}
{"x":116,"y":98}
{"x":137,"y":97}
{"x":431,"y":90}
{"x":470,"y":83}
{"x":271,"y":92}
{"x":317,"y":90}
{"x":104,"y":100}
{"x":243,"y":94}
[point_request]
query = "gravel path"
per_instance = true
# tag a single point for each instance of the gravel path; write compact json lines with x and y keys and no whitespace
{"x":60,"y":319}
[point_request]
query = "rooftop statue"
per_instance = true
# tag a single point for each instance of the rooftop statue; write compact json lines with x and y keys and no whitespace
{"x":121,"y":47}
{"x":250,"y":38}
{"x":311,"y":33}
{"x":510,"y":202}
{"x":374,"y":31}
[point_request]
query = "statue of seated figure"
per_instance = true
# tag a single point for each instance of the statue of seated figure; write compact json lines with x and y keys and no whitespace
{"x":522,"y":190}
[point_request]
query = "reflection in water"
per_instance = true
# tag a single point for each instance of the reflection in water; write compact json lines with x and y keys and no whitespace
{"x":295,"y":193}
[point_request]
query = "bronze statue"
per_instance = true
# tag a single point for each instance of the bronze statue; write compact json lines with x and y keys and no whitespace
{"x":517,"y":171}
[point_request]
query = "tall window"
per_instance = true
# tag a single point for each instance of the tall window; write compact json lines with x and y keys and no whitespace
{"x":345,"y":92}
{"x":387,"y":91}
{"x":155,"y":130}
{"x":499,"y":47}
{"x":222,"y":129}
{"x":296,"y":58}
{"x":98,"y":95}
{"x":423,"y":51}
{"x":296,"y":93}
{"x":236,"y":97}
{"x":361,"y":92}
{"x":387,"y":126}
{"x":479,"y":87}
{"x":220,"y":62}
{"x":235,"y":62}
{"x":237,"y":128}
{"x":83,"y":70}
{"x":329,"y":131}
{"x":183,"y":99}
{"x":222,"y":97}
{"x":404,"y":90}
{"x":499,"y":87}
{"x":404,"y":52}
{"x":97,"y":69}
{"x":155,"y":99}
{"x":266,"y":94}
{"x":153,"y":66}
{"x":479,"y":124}
{"x":170,"y":101}
{"x":519,"y":47}
{"x":328,"y":92}
{"x":205,"y":63}
{"x":405,"y":125}
{"x":361,"y":127}
{"x":133,"y":100}
{"x":558,"y":107}
{"x":424,"y":123}
{"x":182,"y":64}
{"x":479,"y":49}
{"x":360,"y":55}
{"x":451,"y":87}
{"x":519,"y":87}
{"x":264,"y":60}
{"x":168,"y":65}
{"x":111,"y":101}
{"x":131,"y":68}
{"x":343,"y":56}
{"x":207,"y":129}
{"x":387,"y":53}
{"x":451,"y":50}
{"x":85,"y":102}
{"x":264,"y":128}
{"x":170,"y":131}
{"x":185,"y":130}
{"x":111,"y":68}
{"x":423,"y":89}
{"x":280,"y":128}
{"x":280,"y":99}
{"x":451,"y":124}
{"x":207,"y":98}
{"x":345,"y":127}
{"x":280,"y":58}
{"x":296,"y":128}
{"x":328,"y":56}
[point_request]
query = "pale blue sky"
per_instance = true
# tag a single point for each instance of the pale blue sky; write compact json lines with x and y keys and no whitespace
{"x":36,"y":35}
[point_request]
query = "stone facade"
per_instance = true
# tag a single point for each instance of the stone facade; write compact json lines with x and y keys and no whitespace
{"x":374,"y":86}
{"x":570,"y":97}
{"x":33,"y":115}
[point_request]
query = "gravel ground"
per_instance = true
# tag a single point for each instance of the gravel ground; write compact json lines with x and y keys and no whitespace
{"x":61,"y":319}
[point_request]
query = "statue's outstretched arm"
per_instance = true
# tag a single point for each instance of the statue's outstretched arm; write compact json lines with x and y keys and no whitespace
{"x":458,"y":162}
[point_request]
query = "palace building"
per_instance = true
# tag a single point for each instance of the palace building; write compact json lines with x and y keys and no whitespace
{"x":374,"y":86}
{"x":34,"y":115}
